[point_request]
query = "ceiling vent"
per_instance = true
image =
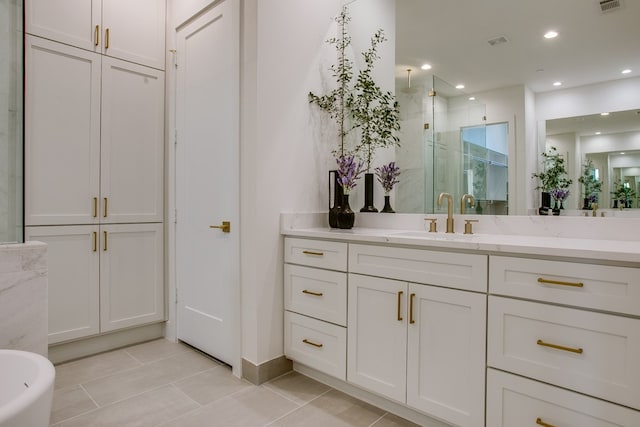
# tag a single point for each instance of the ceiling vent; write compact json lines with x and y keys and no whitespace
{"x":609,"y":5}
{"x":497,"y":40}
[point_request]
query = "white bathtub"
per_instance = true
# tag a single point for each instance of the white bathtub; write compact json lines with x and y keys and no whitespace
{"x":26,"y":389}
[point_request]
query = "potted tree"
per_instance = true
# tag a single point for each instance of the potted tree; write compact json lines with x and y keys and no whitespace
{"x":590,"y":184}
{"x":623,"y":194}
{"x":553,"y":177}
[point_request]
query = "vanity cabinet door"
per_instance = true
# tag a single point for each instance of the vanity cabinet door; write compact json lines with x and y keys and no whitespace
{"x":73,"y":274}
{"x":446,"y":354}
{"x":377,"y":335}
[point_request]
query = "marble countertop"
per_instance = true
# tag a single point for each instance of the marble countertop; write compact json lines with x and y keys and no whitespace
{"x":626,"y":251}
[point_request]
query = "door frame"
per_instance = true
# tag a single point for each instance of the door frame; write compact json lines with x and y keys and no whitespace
{"x":170,"y":185}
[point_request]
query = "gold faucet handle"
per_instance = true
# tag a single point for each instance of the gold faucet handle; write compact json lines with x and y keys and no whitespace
{"x":433,"y":226}
{"x":468,"y":226}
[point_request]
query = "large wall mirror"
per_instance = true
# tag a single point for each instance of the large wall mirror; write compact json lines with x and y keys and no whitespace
{"x":11,"y":146}
{"x":469,"y":122}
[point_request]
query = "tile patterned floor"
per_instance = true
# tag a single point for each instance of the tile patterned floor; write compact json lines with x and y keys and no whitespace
{"x":161,"y":383}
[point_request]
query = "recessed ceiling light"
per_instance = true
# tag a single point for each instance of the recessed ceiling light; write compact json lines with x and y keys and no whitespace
{"x":604,"y":114}
{"x":472,"y":98}
{"x":622,"y":153}
{"x":598,"y":133}
{"x":460,"y":87}
{"x":557,"y":83}
{"x":426,"y":67}
{"x":550,"y":35}
{"x":626,"y":71}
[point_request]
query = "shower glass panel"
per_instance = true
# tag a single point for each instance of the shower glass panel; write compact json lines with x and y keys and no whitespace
{"x":11,"y":127}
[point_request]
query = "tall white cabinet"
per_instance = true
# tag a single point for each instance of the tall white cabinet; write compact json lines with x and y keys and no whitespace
{"x":94,"y":160}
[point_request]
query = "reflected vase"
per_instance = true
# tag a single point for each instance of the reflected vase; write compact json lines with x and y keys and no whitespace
{"x":368,"y":194}
{"x":345,"y":217}
{"x":335,"y":198}
{"x":545,"y":204}
{"x":387,"y":205}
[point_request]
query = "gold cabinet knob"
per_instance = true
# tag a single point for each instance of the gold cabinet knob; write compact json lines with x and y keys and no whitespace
{"x":225,"y":227}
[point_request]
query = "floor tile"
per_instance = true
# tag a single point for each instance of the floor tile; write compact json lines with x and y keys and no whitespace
{"x":90,"y":368}
{"x":155,"y":350}
{"x":253,"y":407}
{"x":297,"y":387}
{"x":69,"y":402}
{"x":211,"y":385}
{"x":390,"y":420}
{"x":334,"y":409}
{"x":147,"y":409}
{"x":147,"y":377}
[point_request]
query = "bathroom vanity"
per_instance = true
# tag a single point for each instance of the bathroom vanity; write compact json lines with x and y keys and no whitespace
{"x":470,"y":330}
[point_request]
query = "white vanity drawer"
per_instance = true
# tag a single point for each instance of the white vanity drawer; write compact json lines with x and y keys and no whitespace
{"x":593,"y":353}
{"x":615,"y":289}
{"x":316,"y":253}
{"x":317,"y":344}
{"x":449,"y":269}
{"x":317,"y":293}
{"x":513,"y":401}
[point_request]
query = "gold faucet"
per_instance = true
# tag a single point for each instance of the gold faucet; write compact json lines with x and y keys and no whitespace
{"x":449,"y":210}
{"x":463,"y":204}
{"x":594,"y":207}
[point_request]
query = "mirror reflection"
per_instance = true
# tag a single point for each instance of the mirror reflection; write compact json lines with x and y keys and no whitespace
{"x":611,"y":142}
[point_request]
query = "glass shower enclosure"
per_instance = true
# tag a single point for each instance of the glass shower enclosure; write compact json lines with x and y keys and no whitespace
{"x":11,"y":122}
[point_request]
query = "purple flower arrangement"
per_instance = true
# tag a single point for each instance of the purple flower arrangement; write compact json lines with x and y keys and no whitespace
{"x":388,"y":176}
{"x":348,"y":172}
{"x":560,"y":194}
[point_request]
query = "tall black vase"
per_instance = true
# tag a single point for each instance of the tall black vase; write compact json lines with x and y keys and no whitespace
{"x":345,"y":217}
{"x":368,"y":194}
{"x":546,"y":203}
{"x":335,"y":193}
{"x":387,"y":205}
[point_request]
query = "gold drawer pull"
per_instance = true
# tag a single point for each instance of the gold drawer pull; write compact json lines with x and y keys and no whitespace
{"x":315,"y":344}
{"x":560,"y":347}
{"x":315,"y":294}
{"x":105,"y":247}
{"x":95,"y":241}
{"x":400,"y":305}
{"x":96,"y":36}
{"x":561,"y":283}
{"x":542,"y":423}
{"x":106,"y":38}
{"x":411,"y":319}
{"x":313,"y":253}
{"x":225,"y":227}
{"x":95,"y":207}
{"x":106,"y":207}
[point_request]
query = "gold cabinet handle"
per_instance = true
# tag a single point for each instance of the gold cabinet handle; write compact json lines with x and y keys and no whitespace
{"x":400,"y":305}
{"x":313,"y":253}
{"x":560,"y":347}
{"x":96,"y":36}
{"x":411,"y":319}
{"x":106,"y":208}
{"x":315,"y":344}
{"x":542,"y":423}
{"x":225,"y":227}
{"x":106,"y":38}
{"x":95,"y":241}
{"x":104,"y":246}
{"x":561,"y":283}
{"x":95,"y":207}
{"x":315,"y":294}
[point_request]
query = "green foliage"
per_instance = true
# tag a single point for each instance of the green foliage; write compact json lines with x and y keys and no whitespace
{"x":334,"y":102}
{"x":588,"y":180}
{"x":623,"y":193}
{"x":555,"y":174}
{"x":375,"y":113}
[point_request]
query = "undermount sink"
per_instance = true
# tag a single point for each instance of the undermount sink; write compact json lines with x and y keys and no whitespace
{"x":430,"y":235}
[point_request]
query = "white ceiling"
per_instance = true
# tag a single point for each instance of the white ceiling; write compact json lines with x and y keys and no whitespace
{"x":452,"y":36}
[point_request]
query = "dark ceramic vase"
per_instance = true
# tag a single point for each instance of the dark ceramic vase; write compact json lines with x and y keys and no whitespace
{"x":335,"y":193}
{"x":546,"y":203}
{"x":345,"y":216}
{"x":387,"y":205}
{"x":368,"y":194}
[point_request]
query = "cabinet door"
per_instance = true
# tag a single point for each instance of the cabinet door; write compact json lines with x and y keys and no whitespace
{"x":446,"y":354}
{"x":72,"y":260}
{"x":132,"y":150}
{"x":71,"y":22}
{"x":131,"y":275}
{"x":377,"y":335}
{"x":62,"y":134}
{"x":135,"y":31}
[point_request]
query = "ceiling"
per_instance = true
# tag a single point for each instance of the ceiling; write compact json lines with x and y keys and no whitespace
{"x":452,"y":35}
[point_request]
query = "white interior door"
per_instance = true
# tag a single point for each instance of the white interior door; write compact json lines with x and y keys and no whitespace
{"x":207,"y":174}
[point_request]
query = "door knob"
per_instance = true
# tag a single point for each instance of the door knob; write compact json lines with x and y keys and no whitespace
{"x":225,"y":227}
